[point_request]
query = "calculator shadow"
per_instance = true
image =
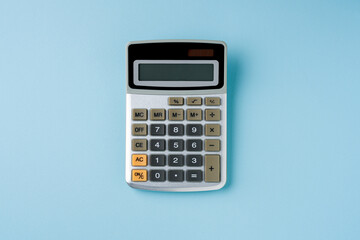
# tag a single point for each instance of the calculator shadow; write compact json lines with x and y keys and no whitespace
{"x":234,"y":93}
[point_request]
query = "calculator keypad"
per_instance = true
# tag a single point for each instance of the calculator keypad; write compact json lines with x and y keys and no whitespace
{"x":179,"y":143}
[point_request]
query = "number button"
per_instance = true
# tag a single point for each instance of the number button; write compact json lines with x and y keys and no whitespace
{"x":157,"y":160}
{"x":176,"y":145}
{"x":157,"y":129}
{"x":157,"y":145}
{"x":176,"y":129}
{"x":157,"y":175}
{"x":176,"y":175}
{"x":194,"y":129}
{"x":194,"y":145}
{"x":194,"y":160}
{"x":176,"y":160}
{"x":194,"y":175}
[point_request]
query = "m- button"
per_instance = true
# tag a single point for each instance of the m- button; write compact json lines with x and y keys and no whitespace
{"x":176,"y":114}
{"x":157,"y":114}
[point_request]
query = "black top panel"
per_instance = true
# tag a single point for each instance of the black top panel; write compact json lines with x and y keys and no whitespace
{"x":176,"y":51}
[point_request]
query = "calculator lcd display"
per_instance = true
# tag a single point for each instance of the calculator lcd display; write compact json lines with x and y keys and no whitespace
{"x":176,"y":72}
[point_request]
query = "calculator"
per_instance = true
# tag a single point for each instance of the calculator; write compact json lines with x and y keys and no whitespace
{"x":176,"y":115}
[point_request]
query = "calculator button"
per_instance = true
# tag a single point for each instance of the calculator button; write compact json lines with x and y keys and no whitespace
{"x":157,"y":114}
{"x":194,"y":129}
{"x":212,"y":130}
{"x":157,"y":129}
{"x":176,"y":160}
{"x":179,"y":101}
{"x":157,"y":145}
{"x":194,"y":114}
{"x":212,"y":168}
{"x":212,"y":145}
{"x":194,"y":101}
{"x":157,"y":175}
{"x":139,"y":114}
{"x":194,"y":160}
{"x":157,"y":160}
{"x":212,"y":114}
{"x":212,"y":101}
{"x":176,"y":114}
{"x":176,"y":145}
{"x":176,"y":129}
{"x":139,"y":160}
{"x":194,"y":175}
{"x":139,"y":144}
{"x":194,"y":145}
{"x":139,"y":129}
{"x":176,"y":175}
{"x":139,"y":175}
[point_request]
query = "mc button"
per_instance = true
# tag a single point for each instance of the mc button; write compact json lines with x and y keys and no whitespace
{"x":139,"y":114}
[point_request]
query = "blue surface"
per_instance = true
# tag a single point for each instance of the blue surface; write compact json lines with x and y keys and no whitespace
{"x":294,"y":100}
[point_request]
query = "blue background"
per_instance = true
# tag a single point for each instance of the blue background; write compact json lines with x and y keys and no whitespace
{"x":294,"y":145}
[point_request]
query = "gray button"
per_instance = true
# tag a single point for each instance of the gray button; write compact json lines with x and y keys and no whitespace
{"x":176,"y":130}
{"x":157,"y":160}
{"x":157,"y":145}
{"x":157,"y":129}
{"x":157,"y":175}
{"x":194,"y":145}
{"x":176,"y":160}
{"x":194,"y":129}
{"x":194,"y":175}
{"x":176,"y":145}
{"x":176,"y":175}
{"x":194,"y":160}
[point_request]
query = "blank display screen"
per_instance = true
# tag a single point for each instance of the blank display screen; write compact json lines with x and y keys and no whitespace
{"x":176,"y":72}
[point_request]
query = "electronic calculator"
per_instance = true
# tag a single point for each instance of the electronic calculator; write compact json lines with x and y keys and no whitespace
{"x":176,"y":115}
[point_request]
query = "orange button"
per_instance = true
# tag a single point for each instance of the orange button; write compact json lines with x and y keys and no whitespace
{"x":139,"y":175}
{"x":139,"y":160}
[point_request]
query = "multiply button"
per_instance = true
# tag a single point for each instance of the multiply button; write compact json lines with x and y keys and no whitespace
{"x":212,"y":101}
{"x":157,"y":114}
{"x":139,"y":160}
{"x":139,"y":175}
{"x":194,"y":114}
{"x":139,"y":114}
{"x":212,"y":114}
{"x":212,"y":168}
{"x":179,"y":101}
{"x":139,"y":144}
{"x":212,"y":130}
{"x":139,"y":129}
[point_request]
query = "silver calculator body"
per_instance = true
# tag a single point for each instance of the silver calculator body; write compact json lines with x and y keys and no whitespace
{"x":176,"y":115}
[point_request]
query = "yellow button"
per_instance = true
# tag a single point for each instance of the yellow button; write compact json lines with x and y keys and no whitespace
{"x":139,"y":175}
{"x":139,"y":160}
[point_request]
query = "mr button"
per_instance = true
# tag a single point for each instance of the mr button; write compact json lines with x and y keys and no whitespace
{"x":157,"y":114}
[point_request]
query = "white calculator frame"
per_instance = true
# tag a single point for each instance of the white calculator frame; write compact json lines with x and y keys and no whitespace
{"x":148,"y":98}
